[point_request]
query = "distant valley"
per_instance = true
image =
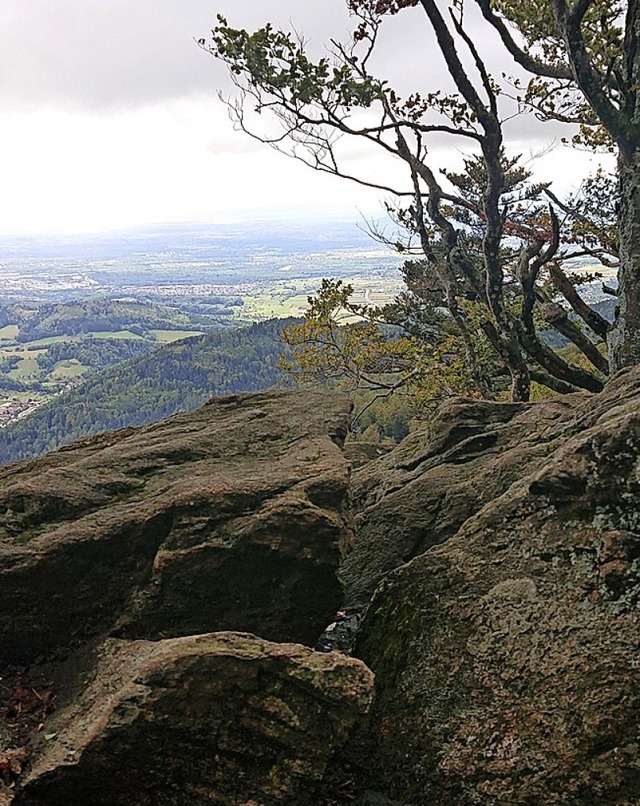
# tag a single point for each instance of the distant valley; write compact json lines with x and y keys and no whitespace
{"x":74,"y":305}
{"x":264,"y":263}
{"x":47,"y":348}
{"x":124,"y":328}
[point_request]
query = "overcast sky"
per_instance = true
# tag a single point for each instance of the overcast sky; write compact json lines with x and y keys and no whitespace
{"x":109,"y":117}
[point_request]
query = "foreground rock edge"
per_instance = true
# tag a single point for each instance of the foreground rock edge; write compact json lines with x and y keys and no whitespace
{"x":128,"y":533}
{"x":220,"y":718}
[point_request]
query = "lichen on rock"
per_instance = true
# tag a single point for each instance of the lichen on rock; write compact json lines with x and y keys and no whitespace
{"x":506,"y":657}
{"x":496,"y":568}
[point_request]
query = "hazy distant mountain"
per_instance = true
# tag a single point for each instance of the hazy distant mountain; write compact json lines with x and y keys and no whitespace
{"x":177,"y":377}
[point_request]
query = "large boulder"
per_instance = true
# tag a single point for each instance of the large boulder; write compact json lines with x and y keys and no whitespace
{"x":506,"y":658}
{"x":224,"y":718}
{"x":231,"y":517}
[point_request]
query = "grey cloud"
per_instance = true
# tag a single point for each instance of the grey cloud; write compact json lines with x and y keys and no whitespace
{"x":111,"y":53}
{"x":101,"y":53}
{"x":106,"y":54}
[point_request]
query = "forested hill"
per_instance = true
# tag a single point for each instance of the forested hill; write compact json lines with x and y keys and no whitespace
{"x":100,"y":314}
{"x":177,"y":377}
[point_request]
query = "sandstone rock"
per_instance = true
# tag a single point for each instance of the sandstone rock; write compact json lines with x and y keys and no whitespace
{"x":225,"y":718}
{"x":504,"y":633}
{"x":231,"y":517}
{"x":423,"y":491}
{"x":506,"y":658}
{"x":360,"y":453}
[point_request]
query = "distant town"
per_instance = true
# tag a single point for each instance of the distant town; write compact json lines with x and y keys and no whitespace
{"x":11,"y":410}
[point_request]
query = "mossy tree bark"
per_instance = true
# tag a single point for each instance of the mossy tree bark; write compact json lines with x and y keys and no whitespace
{"x":624,"y":338}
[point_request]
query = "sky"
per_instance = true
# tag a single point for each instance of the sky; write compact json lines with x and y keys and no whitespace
{"x":109,"y":118}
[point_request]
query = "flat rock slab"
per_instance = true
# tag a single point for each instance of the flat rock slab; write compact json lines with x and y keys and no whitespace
{"x":231,"y":517}
{"x":225,"y":718}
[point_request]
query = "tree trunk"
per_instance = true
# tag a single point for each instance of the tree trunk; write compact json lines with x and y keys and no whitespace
{"x":509,"y":351}
{"x":624,"y":337}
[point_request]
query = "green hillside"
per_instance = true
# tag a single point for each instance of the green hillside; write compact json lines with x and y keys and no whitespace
{"x":46,"y":348}
{"x":176,"y":377}
{"x":104,"y":314}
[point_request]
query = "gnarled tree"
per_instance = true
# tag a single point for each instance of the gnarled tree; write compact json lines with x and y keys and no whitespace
{"x":489,"y":242}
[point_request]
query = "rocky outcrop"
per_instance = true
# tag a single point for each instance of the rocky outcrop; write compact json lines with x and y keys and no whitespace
{"x":506,"y":658}
{"x":360,"y":453}
{"x":124,"y":560}
{"x":233,"y":517}
{"x":421,"y":493}
{"x":224,"y":718}
{"x":495,"y":579}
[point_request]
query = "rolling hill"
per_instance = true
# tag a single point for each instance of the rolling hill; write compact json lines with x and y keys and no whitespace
{"x":175,"y":377}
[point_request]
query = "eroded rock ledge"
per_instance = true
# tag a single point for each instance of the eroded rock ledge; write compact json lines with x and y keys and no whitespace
{"x":506,"y":656}
{"x":233,"y":517}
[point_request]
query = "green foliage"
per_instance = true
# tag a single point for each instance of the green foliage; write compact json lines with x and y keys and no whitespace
{"x":274,"y":61}
{"x":9,"y":362}
{"x":544,"y":39}
{"x":597,"y":225}
{"x":599,"y":39}
{"x":491,"y":243}
{"x":360,"y":350}
{"x":386,"y":419}
{"x":353,"y":354}
{"x":93,"y":353}
{"x":11,"y":385}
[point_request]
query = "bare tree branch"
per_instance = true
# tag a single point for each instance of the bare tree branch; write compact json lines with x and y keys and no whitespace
{"x":591,"y":318}
{"x":524,"y":59}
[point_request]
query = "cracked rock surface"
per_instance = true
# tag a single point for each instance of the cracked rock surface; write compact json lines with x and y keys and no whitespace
{"x":223,"y":718}
{"x":506,"y":657}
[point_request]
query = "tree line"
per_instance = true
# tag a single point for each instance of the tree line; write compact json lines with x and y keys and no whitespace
{"x":176,"y":377}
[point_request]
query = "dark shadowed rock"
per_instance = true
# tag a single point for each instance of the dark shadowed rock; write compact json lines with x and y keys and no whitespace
{"x":506,"y":658}
{"x":231,"y":517}
{"x":225,"y":718}
{"x":503,"y":544}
